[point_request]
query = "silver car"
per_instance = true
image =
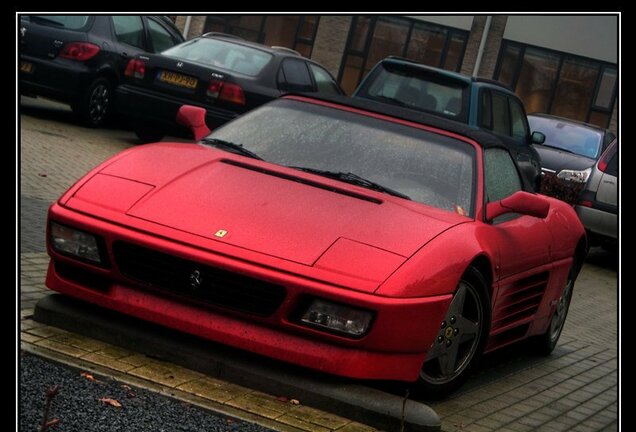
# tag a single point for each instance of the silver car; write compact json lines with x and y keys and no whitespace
{"x":597,"y":206}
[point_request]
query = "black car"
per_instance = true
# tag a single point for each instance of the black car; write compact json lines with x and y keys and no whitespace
{"x":480,"y":103}
{"x":221,"y":73}
{"x":568,"y":154}
{"x":79,"y":59}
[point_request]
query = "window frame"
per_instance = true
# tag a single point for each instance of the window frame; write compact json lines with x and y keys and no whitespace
{"x":602,"y":66}
{"x":144,"y":37}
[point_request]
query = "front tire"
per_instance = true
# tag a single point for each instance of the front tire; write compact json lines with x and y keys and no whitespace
{"x":461,"y":339}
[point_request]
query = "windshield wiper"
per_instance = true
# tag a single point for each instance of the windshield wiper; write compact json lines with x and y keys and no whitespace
{"x":352,"y":178}
{"x":231,"y":147}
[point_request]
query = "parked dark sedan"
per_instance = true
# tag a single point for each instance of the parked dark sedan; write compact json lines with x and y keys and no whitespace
{"x":79,"y":59}
{"x":568,"y":153}
{"x":221,"y":73}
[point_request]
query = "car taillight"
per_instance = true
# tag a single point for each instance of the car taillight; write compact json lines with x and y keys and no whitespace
{"x":80,"y":51}
{"x":226,"y":91}
{"x":135,"y":68}
{"x":586,"y":203}
{"x":606,"y":157}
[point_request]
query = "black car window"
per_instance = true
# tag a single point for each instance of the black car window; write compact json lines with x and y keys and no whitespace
{"x":500,"y":174}
{"x":486,"y":110}
{"x":324,"y":81}
{"x":518,"y":122}
{"x":500,"y":115}
{"x":129,"y":30}
{"x":294,"y":76}
{"x":608,"y":138}
{"x":160,"y":37}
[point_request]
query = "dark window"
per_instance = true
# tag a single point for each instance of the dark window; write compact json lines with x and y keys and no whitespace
{"x":518,"y":121}
{"x":293,"y":76}
{"x":324,"y":82}
{"x":297,"y":32}
{"x":558,"y":83}
{"x":160,"y":37}
{"x":500,"y":115}
{"x":486,"y":110}
{"x":129,"y":30}
{"x":372,"y":38}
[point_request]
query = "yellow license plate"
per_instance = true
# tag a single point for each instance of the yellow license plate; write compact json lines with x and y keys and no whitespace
{"x":26,"y":67}
{"x":178,"y":79}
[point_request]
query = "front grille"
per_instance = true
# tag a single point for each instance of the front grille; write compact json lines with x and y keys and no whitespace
{"x":197,"y":281}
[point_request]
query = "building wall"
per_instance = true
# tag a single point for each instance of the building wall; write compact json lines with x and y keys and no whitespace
{"x":491,"y":50}
{"x":330,"y":42}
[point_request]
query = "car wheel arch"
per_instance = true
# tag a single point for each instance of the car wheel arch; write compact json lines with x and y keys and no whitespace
{"x":483,"y":265}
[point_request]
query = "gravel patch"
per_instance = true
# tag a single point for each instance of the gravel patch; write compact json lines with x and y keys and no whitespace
{"x":78,"y":406}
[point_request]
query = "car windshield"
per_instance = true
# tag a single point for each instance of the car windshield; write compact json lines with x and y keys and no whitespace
{"x":427,"y":167}
{"x":226,"y":55}
{"x":572,"y":137}
{"x":416,"y":91}
{"x":72,"y":22}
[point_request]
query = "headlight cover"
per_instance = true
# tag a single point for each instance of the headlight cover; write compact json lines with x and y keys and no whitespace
{"x":574,"y":175}
{"x":337,"y":318}
{"x":71,"y":241}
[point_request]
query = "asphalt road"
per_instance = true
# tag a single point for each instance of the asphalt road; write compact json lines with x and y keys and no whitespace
{"x":576,"y":388}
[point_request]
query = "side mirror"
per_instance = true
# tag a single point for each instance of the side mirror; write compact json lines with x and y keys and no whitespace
{"x":538,"y":137}
{"x":193,"y":118}
{"x":519,"y":202}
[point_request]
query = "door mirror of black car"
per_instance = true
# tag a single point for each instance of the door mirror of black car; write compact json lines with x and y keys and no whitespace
{"x":538,"y":137}
{"x":519,"y":202}
{"x":193,"y":118}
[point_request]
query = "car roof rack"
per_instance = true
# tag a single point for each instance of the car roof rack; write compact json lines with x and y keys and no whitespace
{"x":287,"y":50}
{"x":220,"y":34}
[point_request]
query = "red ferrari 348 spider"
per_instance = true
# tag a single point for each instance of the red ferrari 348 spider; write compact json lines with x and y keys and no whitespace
{"x":351,"y":237}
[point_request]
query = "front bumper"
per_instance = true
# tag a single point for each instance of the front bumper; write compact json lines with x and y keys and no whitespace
{"x":394,"y":348}
{"x":160,"y":108}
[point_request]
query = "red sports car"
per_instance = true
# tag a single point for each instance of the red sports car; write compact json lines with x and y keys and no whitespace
{"x":346,"y":236}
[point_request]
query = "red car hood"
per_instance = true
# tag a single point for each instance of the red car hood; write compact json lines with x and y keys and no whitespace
{"x":258,"y":206}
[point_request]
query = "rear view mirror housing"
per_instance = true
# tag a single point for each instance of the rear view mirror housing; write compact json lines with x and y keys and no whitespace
{"x":193,"y":118}
{"x":519,"y":202}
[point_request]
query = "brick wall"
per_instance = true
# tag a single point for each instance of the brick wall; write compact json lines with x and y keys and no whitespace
{"x":330,"y":42}
{"x":491,"y":50}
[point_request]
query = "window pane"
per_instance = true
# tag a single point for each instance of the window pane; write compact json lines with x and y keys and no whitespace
{"x":129,"y":29}
{"x":281,"y":30}
{"x":161,"y":39}
{"x":297,"y":76}
{"x":246,"y":26}
{"x":599,"y":119}
{"x":455,"y":51}
{"x":500,"y":117}
{"x":360,"y":34}
{"x":351,"y":74}
{"x":308,"y":27}
{"x":575,"y":88}
{"x":323,"y":80}
{"x":388,"y":39}
{"x":426,"y":46}
{"x":486,"y":112}
{"x":508,"y":64}
{"x":500,"y":174}
{"x":604,"y":97}
{"x":537,"y":79}
{"x":304,"y":49}
{"x":518,"y":122}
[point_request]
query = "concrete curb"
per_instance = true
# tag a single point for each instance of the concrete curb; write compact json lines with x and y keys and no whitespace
{"x":356,"y":402}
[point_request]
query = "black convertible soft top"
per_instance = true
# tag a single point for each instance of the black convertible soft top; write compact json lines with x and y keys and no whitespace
{"x":483,"y":138}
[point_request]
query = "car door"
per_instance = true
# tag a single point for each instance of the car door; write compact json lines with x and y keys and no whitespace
{"x":130,"y":39}
{"x":523,"y":253}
